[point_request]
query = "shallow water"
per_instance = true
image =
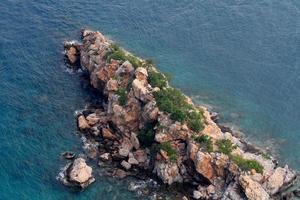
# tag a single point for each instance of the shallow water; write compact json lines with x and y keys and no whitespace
{"x":241,"y":57}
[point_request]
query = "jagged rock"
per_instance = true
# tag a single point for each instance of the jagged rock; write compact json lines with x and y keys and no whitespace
{"x":105,"y":156}
{"x":168,"y":172}
{"x":150,"y":112}
{"x":77,"y":173}
{"x":112,"y":85}
{"x":126,"y":147}
{"x":133,"y":161}
{"x":126,"y":165}
{"x":92,"y":119}
{"x":141,"y":92}
{"x":197,"y":194}
{"x":140,"y":156}
{"x":141,"y":73}
{"x":281,"y":177}
{"x":203,"y":165}
{"x":134,"y":141}
{"x":107,"y":134}
{"x":192,"y":149}
{"x":125,"y":68}
{"x":163,"y":137}
{"x":83,"y":123}
{"x":253,"y":190}
{"x":233,"y":192}
{"x":72,"y":55}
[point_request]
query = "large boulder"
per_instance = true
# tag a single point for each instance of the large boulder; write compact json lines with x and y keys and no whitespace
{"x":280,"y":178}
{"x":83,"y":124}
{"x":168,"y":172}
{"x":77,"y":174}
{"x":204,"y":166}
{"x":141,"y":91}
{"x":252,"y":189}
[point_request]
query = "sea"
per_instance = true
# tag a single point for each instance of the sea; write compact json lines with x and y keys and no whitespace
{"x":239,"y":57}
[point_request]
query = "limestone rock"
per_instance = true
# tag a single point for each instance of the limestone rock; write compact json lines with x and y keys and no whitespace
{"x":126,"y":165}
{"x":125,"y":68}
{"x":83,"y":123}
{"x":77,"y":173}
{"x":92,"y":119}
{"x":253,"y":190}
{"x":112,"y":85}
{"x":203,"y":164}
{"x":126,"y":147}
{"x":197,"y":194}
{"x":168,"y":172}
{"x":281,"y":177}
{"x":140,"y":156}
{"x":105,"y":156}
{"x":134,"y":141}
{"x":107,"y":134}
{"x":141,"y":73}
{"x":141,"y":92}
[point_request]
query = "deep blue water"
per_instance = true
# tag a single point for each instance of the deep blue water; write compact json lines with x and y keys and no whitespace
{"x":240,"y":56}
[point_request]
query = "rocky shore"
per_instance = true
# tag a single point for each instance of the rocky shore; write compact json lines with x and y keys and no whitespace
{"x":147,"y":129}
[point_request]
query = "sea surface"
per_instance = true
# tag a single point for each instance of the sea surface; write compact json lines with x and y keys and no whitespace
{"x":241,"y":57}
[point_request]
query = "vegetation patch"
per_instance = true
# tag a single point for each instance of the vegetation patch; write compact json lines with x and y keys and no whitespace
{"x":266,"y":156}
{"x":172,"y":101}
{"x":122,"y":93}
{"x":226,"y":146}
{"x":157,"y":79}
{"x":117,"y":53}
{"x":172,"y":153}
{"x":194,"y":120}
{"x":146,"y":136}
{"x":247,"y":165}
{"x":205,"y":142}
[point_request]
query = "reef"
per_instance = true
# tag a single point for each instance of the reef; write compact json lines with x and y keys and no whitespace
{"x":147,"y":129}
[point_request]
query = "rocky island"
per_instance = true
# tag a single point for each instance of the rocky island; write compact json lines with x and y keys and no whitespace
{"x":146,"y":128}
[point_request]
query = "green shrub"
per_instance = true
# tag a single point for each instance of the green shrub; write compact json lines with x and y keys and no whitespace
{"x":247,"y":165}
{"x":157,"y":79}
{"x":205,"y":142}
{"x":122,"y":92}
{"x":134,"y":61}
{"x":195,"y":120}
{"x":172,"y":101}
{"x":117,"y":53}
{"x":172,"y":153}
{"x":115,"y":47}
{"x":225,"y":146}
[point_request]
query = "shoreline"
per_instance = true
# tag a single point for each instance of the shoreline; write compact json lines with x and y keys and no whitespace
{"x":211,"y":167}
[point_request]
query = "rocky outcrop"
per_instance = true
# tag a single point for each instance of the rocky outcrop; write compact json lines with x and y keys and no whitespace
{"x":253,"y":190}
{"x":131,"y":133}
{"x":77,"y":173}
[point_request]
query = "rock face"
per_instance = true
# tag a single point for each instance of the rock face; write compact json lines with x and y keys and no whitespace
{"x":77,"y":173}
{"x":253,"y":190}
{"x":118,"y":133}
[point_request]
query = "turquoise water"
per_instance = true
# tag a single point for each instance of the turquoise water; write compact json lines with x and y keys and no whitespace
{"x":241,"y":57}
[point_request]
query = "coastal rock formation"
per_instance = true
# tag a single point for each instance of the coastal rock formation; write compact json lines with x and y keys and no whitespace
{"x":77,"y":173}
{"x":147,"y":127}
